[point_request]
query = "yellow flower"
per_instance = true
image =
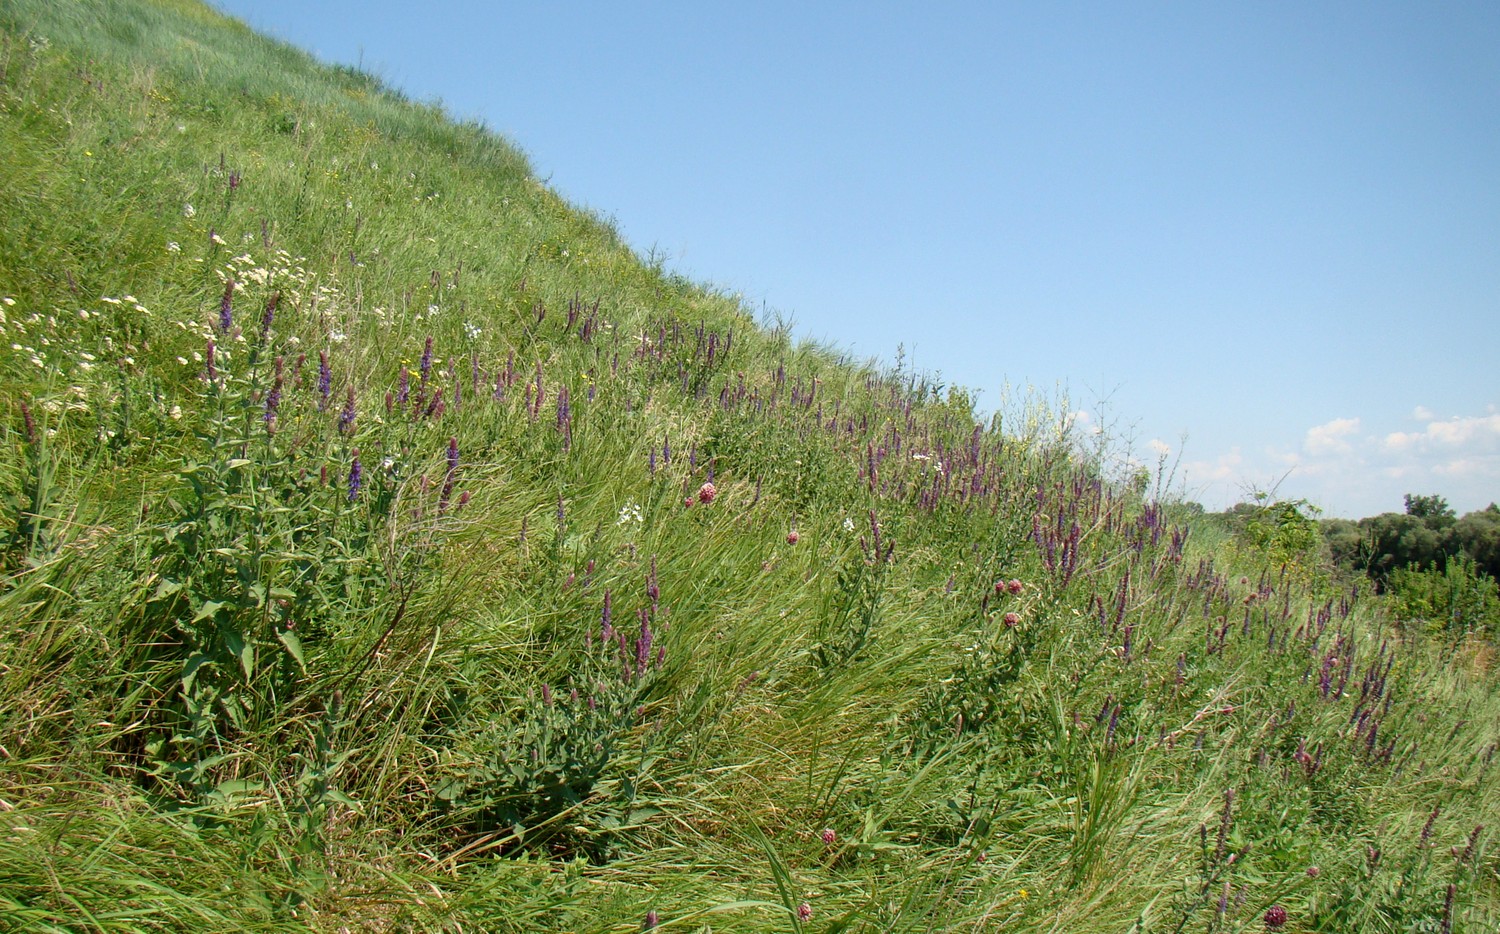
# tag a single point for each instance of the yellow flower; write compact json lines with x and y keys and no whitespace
{"x":1025,"y":894}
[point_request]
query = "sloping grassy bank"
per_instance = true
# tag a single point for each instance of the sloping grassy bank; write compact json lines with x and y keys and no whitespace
{"x":387,"y":547}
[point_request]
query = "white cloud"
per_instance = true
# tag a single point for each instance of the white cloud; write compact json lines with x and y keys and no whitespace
{"x":1466,"y":467}
{"x":1329,"y":438}
{"x":1401,"y":440}
{"x":1353,"y":468}
{"x":1478,"y":431}
{"x":1222,"y":468}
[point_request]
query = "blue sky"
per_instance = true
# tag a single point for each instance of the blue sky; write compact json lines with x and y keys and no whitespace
{"x":1261,"y":241}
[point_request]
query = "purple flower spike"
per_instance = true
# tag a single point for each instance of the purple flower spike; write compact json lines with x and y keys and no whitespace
{"x":226,"y":316}
{"x":356,"y":476}
{"x":426,"y":367}
{"x":325,"y":380}
{"x":209,"y":367}
{"x":346,"y":417}
{"x":29,"y":422}
{"x":273,"y":402}
{"x":269,"y":315}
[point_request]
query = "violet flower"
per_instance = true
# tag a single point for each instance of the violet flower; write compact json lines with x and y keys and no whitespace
{"x":346,"y":417}
{"x":356,"y":476}
{"x":226,"y":316}
{"x":325,"y":380}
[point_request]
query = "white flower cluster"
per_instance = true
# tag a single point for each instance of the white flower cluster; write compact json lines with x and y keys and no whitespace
{"x":630,"y":513}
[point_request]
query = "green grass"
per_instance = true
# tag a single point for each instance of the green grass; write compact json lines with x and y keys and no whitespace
{"x":239,"y":691}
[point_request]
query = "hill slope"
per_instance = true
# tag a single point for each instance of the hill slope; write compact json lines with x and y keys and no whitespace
{"x":388,"y":547}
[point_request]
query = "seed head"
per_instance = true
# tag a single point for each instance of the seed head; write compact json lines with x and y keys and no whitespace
{"x":1275,"y":918}
{"x":791,"y":539}
{"x":829,"y":836}
{"x":707,"y":492}
{"x":804,"y":912}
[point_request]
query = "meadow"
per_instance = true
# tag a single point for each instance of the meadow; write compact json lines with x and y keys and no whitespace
{"x":386,"y":546}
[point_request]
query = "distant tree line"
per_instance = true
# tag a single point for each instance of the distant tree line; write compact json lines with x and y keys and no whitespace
{"x":1438,"y":571}
{"x":1426,"y":537}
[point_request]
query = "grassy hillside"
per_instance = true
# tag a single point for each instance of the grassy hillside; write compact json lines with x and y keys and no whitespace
{"x":387,"y":547}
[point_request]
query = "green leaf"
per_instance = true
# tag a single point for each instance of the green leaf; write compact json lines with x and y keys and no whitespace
{"x":293,"y":646}
{"x":208,"y":609}
{"x":237,"y":787}
{"x":190,"y":670}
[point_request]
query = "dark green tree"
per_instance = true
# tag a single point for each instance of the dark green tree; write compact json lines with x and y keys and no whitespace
{"x":1477,"y":535}
{"x":1434,"y":511}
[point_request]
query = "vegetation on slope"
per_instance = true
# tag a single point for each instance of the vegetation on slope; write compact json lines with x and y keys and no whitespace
{"x":388,"y":547}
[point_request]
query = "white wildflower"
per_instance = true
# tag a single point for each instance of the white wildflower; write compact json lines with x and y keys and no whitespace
{"x":848,"y":524}
{"x":630,"y":512}
{"x":471,"y":330}
{"x":188,"y":210}
{"x":176,"y":412}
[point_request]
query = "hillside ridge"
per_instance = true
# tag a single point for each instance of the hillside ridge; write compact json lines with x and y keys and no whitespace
{"x":387,"y":546}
